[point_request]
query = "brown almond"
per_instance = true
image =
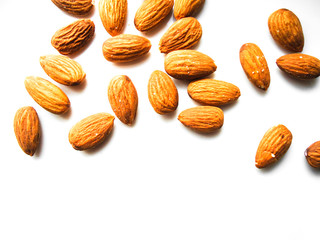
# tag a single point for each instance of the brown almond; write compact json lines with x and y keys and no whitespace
{"x":75,"y":7}
{"x":312,"y":154}
{"x":186,"y":8}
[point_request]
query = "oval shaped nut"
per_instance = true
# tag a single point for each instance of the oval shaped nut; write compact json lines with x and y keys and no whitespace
{"x":205,"y":119}
{"x":113,"y":14}
{"x":186,"y":8}
{"x":123,"y":98}
{"x":255,"y":65}
{"x":213,"y":92}
{"x":78,"y":7}
{"x":183,"y":34}
{"x":312,"y":154}
{"x":63,"y":69}
{"x":47,"y":95}
{"x":125,"y":48}
{"x":188,"y":64}
{"x":300,"y":66}
{"x":27,"y":129}
{"x":162,"y":93}
{"x":91,"y":131}
{"x":274,"y":144}
{"x":151,"y":13}
{"x":286,"y":30}
{"x":73,"y":37}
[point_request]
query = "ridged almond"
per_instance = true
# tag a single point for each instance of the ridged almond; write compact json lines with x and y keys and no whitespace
{"x":312,"y":154}
{"x":75,"y":7}
{"x":186,"y":8}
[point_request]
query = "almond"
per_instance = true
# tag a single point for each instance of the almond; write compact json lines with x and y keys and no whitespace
{"x":255,"y":65}
{"x":63,"y":69}
{"x":151,"y":13}
{"x":213,"y":92}
{"x":73,"y":37}
{"x":286,"y":30}
{"x":91,"y":131}
{"x":47,"y":95}
{"x":123,"y":98}
{"x":274,"y":144}
{"x":312,"y":154}
{"x":162,"y":93}
{"x":183,"y":34}
{"x":27,"y":129}
{"x":300,"y":66}
{"x":125,"y":48}
{"x":204,"y":119}
{"x":188,"y":64}
{"x":186,"y":8}
{"x":113,"y":14}
{"x":78,"y":7}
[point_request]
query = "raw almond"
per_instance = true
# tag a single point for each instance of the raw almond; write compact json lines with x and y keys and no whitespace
{"x":204,"y":119}
{"x":113,"y":14}
{"x":255,"y":65}
{"x":312,"y":154}
{"x":162,"y":93}
{"x":73,"y":37}
{"x":75,"y":7}
{"x":274,"y":144}
{"x":62,"y":69}
{"x":286,"y":30}
{"x":183,"y":34}
{"x":151,"y":13}
{"x":123,"y":98}
{"x":27,"y":129}
{"x":47,"y":95}
{"x":186,"y":8}
{"x":188,"y":64}
{"x":91,"y":131}
{"x":125,"y":48}
{"x":213,"y":92}
{"x":300,"y":66}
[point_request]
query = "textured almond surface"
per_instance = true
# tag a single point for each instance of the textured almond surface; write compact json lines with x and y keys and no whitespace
{"x":273,"y":146}
{"x":312,"y":154}
{"x":162,"y":93}
{"x":47,"y":95}
{"x":27,"y":129}
{"x":91,"y":131}
{"x":255,"y":65}
{"x":183,"y":34}
{"x":75,"y":7}
{"x":186,"y":8}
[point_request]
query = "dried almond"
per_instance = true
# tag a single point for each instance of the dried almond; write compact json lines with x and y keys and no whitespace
{"x":186,"y":8}
{"x":75,"y":7}
{"x":312,"y":154}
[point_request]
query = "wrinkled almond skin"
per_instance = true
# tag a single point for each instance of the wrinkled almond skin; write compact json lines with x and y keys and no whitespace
{"x":75,"y":7}
{"x":274,"y":144}
{"x":73,"y":37}
{"x":300,"y":66}
{"x":91,"y":131}
{"x":47,"y":95}
{"x":113,"y":14}
{"x":312,"y":155}
{"x":286,"y":30}
{"x":213,"y":92}
{"x":123,"y":98}
{"x":186,"y":8}
{"x":255,"y":65}
{"x":204,"y":119}
{"x":183,"y":34}
{"x":27,"y":129}
{"x":125,"y":48}
{"x":162,"y":93}
{"x":151,"y":13}
{"x":63,"y":69}
{"x":188,"y":64}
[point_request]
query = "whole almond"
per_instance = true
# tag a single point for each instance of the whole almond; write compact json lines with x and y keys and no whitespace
{"x":75,"y":7}
{"x":162,"y":93}
{"x":63,"y":69}
{"x":113,"y":14}
{"x":213,"y":92}
{"x":274,"y":144}
{"x":286,"y":30}
{"x":183,"y":34}
{"x":125,"y":48}
{"x":205,"y":119}
{"x":27,"y":129}
{"x":123,"y":98}
{"x":188,"y":64}
{"x":91,"y":131}
{"x":300,"y":66}
{"x":73,"y":37}
{"x":312,"y":154}
{"x":47,"y":95}
{"x":255,"y":65}
{"x":151,"y":13}
{"x":186,"y":8}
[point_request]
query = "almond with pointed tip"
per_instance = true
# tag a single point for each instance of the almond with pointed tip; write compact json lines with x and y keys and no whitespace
{"x":186,"y":8}
{"x":75,"y":7}
{"x":312,"y":154}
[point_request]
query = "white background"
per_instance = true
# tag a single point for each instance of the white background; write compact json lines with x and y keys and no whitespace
{"x":158,"y":179}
